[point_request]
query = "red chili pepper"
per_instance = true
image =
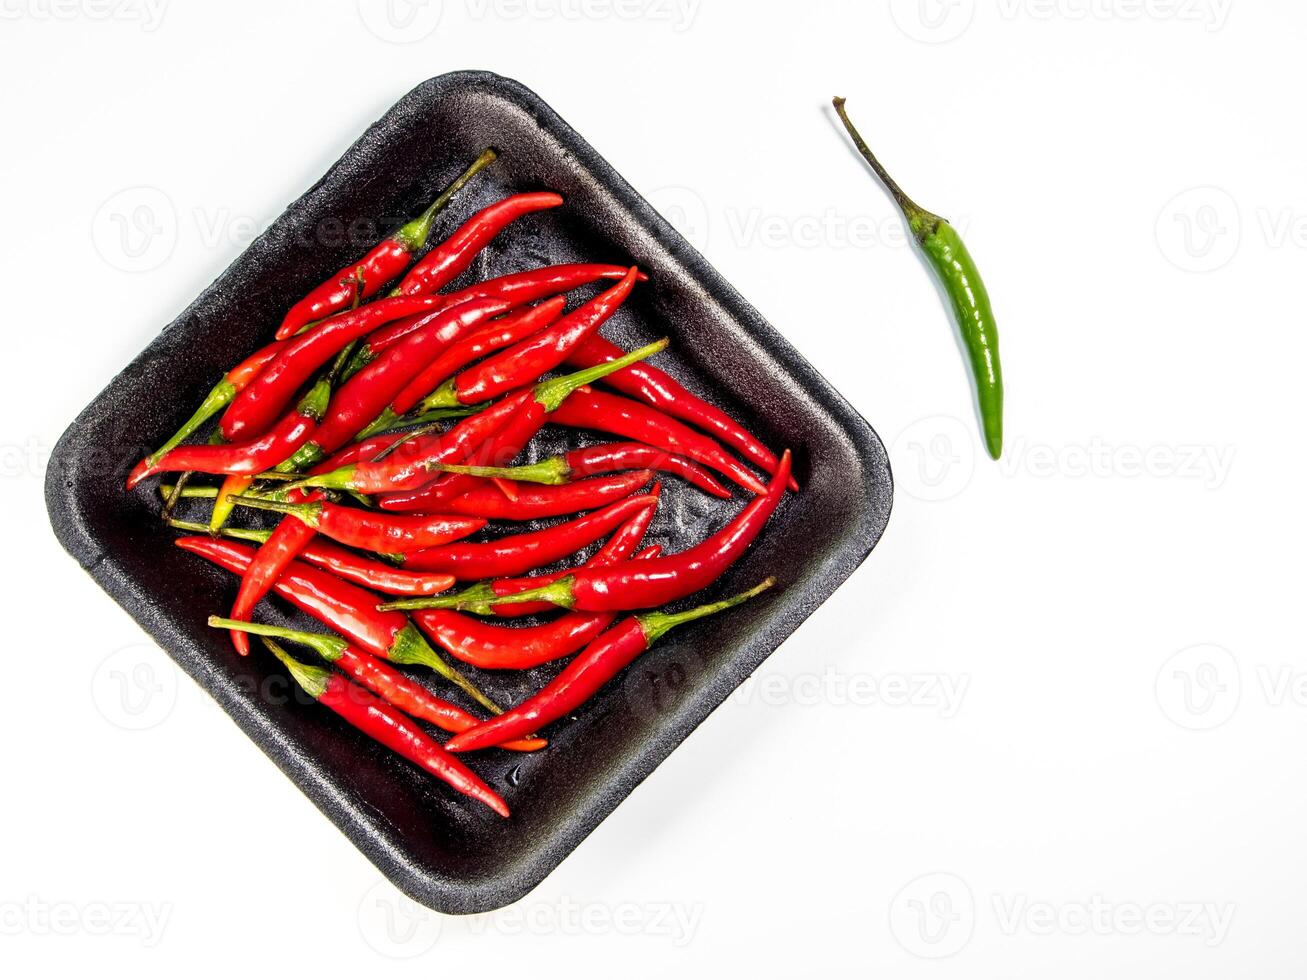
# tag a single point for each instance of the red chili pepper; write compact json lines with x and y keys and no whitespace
{"x":519,"y":553}
{"x":232,"y":383}
{"x":492,"y":646}
{"x":378,"y":677}
{"x":382,"y":264}
{"x":646,"y":584}
{"x":345,"y":608}
{"x":482,"y":597}
{"x":410,"y":466}
{"x":663,"y":392}
{"x":383,"y":533}
{"x":364,"y":395}
{"x":255,"y":408}
{"x":534,"y":357}
{"x":534,"y":502}
{"x":387,"y":725}
{"x":452,"y":256}
{"x":635,"y":420}
{"x":523,"y":287}
{"x":249,"y":458}
{"x":579,"y":681}
{"x":343,"y":563}
{"x":561,"y":470}
{"x":494,"y":336}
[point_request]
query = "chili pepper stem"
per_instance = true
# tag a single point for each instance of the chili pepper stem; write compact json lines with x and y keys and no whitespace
{"x":474,"y":597}
{"x":553,"y":471}
{"x":313,"y":679}
{"x":414,"y":234}
{"x":236,"y":533}
{"x":328,"y":647}
{"x":655,"y":624}
{"x":217,"y":399}
{"x":480,"y":598}
{"x":920,"y":220}
{"x":308,"y":513}
{"x":411,"y":648}
{"x":553,"y":392}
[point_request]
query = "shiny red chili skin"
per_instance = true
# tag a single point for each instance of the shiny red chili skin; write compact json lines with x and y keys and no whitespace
{"x":536,"y":501}
{"x":450,"y":258}
{"x":579,"y":681}
{"x":258,"y":404}
{"x":659,"y":581}
{"x":386,"y":261}
{"x":591,"y":409}
{"x":366,"y":449}
{"x":663,"y":392}
{"x":611,"y":456}
{"x":498,"y":449}
{"x":346,"y":608}
{"x":387,"y":725}
{"x":407,"y":468}
{"x":412,"y":698}
{"x":534,"y":357}
{"x":492,"y":646}
{"x":234,"y":459}
{"x":250,"y":368}
{"x":490,"y":338}
{"x":368,"y":392}
{"x":616,"y":549}
{"x":392,"y":533}
{"x":372,"y":574}
{"x":519,"y":553}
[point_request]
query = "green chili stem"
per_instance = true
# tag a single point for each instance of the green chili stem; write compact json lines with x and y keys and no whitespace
{"x":328,"y":647}
{"x":314,"y":680}
{"x":918,"y":217}
{"x":655,"y":624}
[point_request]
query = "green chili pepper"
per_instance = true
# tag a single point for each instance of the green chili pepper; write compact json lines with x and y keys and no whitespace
{"x":956,"y":270}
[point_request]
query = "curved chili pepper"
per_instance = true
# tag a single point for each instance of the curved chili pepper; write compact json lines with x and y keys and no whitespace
{"x":249,"y":458}
{"x":232,"y":383}
{"x":563,"y":470}
{"x":663,"y":392}
{"x":535,"y":502}
{"x":258,"y":404}
{"x":599,"y":663}
{"x":362,"y":397}
{"x":646,"y":584}
{"x":345,"y":608}
{"x":384,"y":533}
{"x":482,"y":596}
{"x":494,"y":336}
{"x":387,"y":725}
{"x":636,"y":420}
{"x":342,"y":562}
{"x":492,"y":646}
{"x":452,"y":256}
{"x":382,"y":264}
{"x":378,"y":677}
{"x":519,"y":553}
{"x":411,"y":466}
{"x":534,"y":357}
{"x":957,"y":273}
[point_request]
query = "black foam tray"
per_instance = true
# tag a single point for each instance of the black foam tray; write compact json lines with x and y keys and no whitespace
{"x":439,"y":849}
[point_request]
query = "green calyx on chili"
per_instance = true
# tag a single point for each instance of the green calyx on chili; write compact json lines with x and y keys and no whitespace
{"x":387,"y":725}
{"x":957,"y":273}
{"x":595,"y":666}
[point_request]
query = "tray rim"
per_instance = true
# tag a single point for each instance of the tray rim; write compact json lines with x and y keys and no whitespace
{"x":473,"y":896}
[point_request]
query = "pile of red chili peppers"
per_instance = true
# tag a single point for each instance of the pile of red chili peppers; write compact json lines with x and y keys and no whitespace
{"x":385,"y":428}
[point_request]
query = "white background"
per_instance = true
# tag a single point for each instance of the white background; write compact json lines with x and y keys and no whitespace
{"x":1099,"y":763}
